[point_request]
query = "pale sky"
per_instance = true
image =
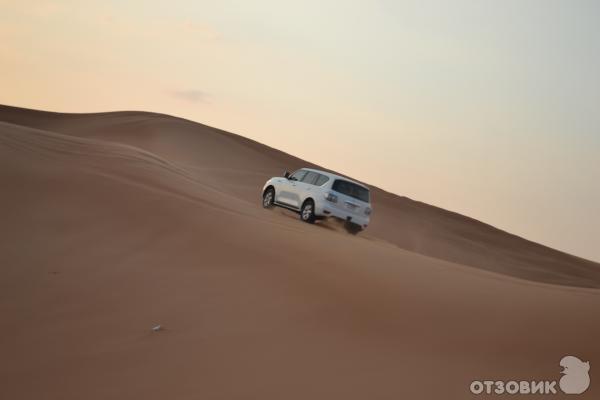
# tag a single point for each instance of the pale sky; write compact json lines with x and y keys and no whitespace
{"x":487,"y":108}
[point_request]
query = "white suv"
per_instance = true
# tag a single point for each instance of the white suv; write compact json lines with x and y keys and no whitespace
{"x":318,"y":194}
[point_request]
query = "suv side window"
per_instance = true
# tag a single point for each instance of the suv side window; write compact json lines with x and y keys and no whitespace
{"x":321,"y":180}
{"x":298,"y":175}
{"x":310,"y":177}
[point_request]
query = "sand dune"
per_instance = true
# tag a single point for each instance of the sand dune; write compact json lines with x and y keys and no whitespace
{"x":115,"y":222}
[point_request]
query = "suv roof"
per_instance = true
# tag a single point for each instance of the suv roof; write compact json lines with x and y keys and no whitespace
{"x":334,"y":176}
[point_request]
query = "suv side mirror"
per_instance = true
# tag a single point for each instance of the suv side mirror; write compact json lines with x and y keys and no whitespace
{"x":286,"y":175}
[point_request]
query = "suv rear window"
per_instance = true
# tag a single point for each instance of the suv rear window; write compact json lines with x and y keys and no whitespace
{"x":351,"y":189}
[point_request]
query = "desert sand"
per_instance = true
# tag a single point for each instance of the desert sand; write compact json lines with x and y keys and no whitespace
{"x":114,"y":223}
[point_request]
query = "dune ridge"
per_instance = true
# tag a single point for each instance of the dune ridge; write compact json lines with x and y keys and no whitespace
{"x":409,"y":224}
{"x":117,"y":222}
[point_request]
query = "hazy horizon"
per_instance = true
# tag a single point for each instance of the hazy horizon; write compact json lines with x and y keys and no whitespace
{"x":484,"y":108}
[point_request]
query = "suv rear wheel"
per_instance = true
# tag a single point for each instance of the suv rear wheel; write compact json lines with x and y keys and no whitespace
{"x":307,"y":212}
{"x":352,"y":228}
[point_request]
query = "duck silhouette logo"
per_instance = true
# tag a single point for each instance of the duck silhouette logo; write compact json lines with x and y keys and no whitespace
{"x":576,"y":377}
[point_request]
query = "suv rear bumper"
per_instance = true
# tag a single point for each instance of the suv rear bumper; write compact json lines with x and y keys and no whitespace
{"x":328,"y":211}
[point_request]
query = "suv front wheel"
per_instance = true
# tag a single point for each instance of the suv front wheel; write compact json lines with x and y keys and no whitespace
{"x":268,"y":198}
{"x":307,"y":212}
